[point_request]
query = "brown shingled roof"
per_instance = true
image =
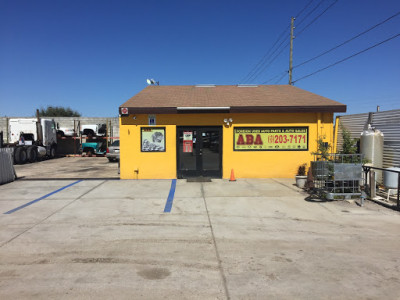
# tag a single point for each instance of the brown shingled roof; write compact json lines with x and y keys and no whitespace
{"x":231,"y":98}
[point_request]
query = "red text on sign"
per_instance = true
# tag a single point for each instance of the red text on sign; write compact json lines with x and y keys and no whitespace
{"x":249,"y":140}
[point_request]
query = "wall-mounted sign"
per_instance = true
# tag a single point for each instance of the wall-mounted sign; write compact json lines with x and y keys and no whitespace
{"x":188,"y":141}
{"x":124,"y":110}
{"x":270,"y":139}
{"x":152,"y":120}
{"x":153,"y":139}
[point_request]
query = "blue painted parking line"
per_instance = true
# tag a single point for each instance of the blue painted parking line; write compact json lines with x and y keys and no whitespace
{"x":170,"y":198}
{"x":41,"y":198}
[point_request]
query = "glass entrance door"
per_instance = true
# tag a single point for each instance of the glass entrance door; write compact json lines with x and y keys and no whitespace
{"x":199,"y":152}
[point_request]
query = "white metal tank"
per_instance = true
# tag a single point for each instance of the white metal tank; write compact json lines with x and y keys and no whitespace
{"x":390,"y":179}
{"x":371,"y":145}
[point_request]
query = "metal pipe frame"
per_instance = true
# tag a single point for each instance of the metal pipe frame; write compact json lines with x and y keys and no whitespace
{"x":368,"y":168}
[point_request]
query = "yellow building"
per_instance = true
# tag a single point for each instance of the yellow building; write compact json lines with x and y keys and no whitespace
{"x":264,"y":131}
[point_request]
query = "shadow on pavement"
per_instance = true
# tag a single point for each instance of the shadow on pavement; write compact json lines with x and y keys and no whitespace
{"x":316,"y":198}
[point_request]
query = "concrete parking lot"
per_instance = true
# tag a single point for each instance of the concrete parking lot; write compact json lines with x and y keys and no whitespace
{"x":69,"y":168}
{"x":249,"y":239}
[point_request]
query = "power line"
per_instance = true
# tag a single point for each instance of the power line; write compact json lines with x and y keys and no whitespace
{"x":265,"y":58}
{"x":261,"y":69}
{"x":272,"y":78}
{"x":304,"y":8}
{"x":310,"y":12}
{"x":317,"y":17}
{"x":272,"y":60}
{"x":276,"y":82}
{"x":382,"y":101}
{"x":281,"y":51}
{"x":349,"y":40}
{"x":347,"y":58}
{"x":255,"y":69}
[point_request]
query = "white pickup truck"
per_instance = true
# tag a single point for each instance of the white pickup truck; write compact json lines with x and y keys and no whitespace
{"x":93,"y":130}
{"x":65,"y":131}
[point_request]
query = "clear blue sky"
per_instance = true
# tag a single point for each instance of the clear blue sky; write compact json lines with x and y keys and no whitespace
{"x":94,"y":55}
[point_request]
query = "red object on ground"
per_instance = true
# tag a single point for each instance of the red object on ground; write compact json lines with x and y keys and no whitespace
{"x":232,"y":176}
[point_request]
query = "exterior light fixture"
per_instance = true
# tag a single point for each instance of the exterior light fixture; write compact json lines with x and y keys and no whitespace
{"x":228,"y":121}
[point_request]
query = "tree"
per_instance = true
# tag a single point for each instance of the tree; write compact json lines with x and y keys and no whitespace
{"x":349,"y":145}
{"x":58,"y":111}
{"x":322,"y":148}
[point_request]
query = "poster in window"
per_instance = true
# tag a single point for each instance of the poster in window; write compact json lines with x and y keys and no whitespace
{"x":153,"y":139}
{"x":188,"y":141}
{"x":270,"y":139}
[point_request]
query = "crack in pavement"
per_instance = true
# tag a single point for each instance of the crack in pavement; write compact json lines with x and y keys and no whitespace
{"x":221,"y":270}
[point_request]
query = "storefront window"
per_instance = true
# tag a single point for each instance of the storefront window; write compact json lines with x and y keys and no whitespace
{"x":153,"y":139}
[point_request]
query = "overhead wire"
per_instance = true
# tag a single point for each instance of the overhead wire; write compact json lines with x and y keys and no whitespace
{"x":276,"y":82}
{"x":382,"y":101}
{"x":304,"y":8}
{"x":258,"y":73}
{"x":276,"y":76}
{"x":347,"y":58}
{"x":310,"y":12}
{"x":349,"y":40}
{"x":272,"y":60}
{"x":316,"y":18}
{"x":265,"y":58}
{"x":255,"y":69}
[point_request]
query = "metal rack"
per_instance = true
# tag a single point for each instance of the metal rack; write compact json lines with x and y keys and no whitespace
{"x":338,"y":176}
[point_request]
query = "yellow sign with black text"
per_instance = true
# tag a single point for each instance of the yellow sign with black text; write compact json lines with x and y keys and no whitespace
{"x":270,"y":139}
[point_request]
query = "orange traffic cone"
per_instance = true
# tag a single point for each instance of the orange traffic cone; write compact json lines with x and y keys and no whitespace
{"x":232,"y":176}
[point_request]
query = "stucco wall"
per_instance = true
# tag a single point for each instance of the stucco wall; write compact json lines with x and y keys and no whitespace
{"x":246,"y":164}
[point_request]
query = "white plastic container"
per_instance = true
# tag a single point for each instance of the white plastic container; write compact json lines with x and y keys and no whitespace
{"x":390,"y":179}
{"x":371,"y":145}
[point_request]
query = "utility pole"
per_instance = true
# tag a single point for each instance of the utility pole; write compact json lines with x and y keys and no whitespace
{"x":291,"y":50}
